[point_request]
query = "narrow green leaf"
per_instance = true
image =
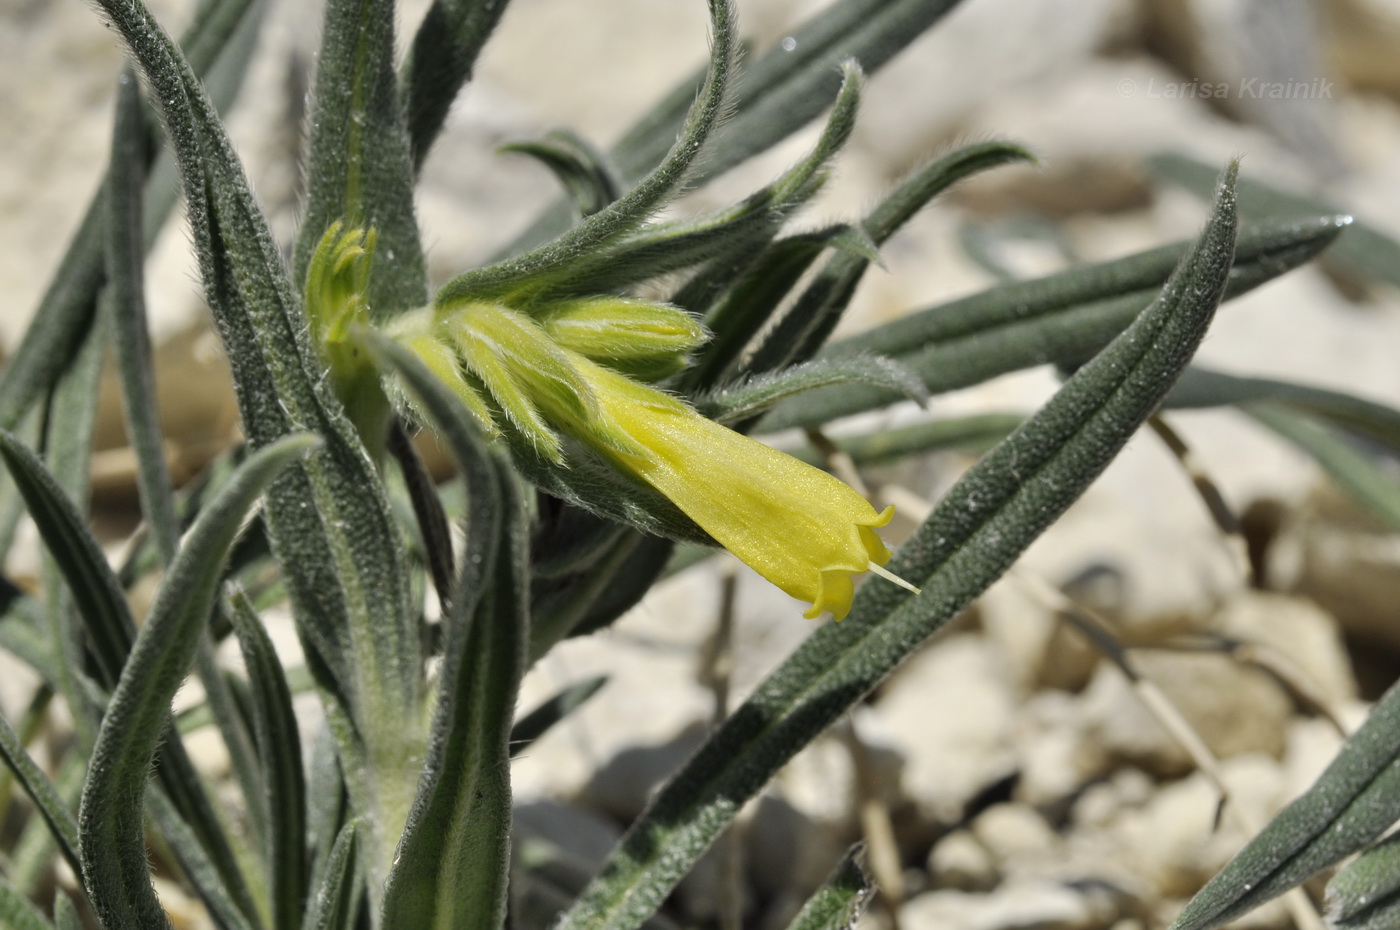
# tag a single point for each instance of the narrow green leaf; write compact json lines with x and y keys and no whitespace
{"x":30,"y":866}
{"x":1062,"y":318}
{"x":555,"y":259}
{"x":725,"y":240}
{"x":327,"y":811}
{"x":805,"y":327}
{"x":427,"y":510}
{"x":629,"y":582}
{"x":95,"y":590}
{"x":71,"y":417}
{"x":975,"y":533}
{"x":444,"y":52}
{"x":359,"y":168}
{"x":42,"y":792}
{"x":786,"y":87}
{"x":125,"y":259}
{"x":126,"y":305}
{"x":838,"y":903}
{"x":333,"y":904}
{"x":975,"y":433}
{"x":557,"y":609}
{"x":537,"y":722}
{"x":752,"y":301}
{"x":68,"y":304}
{"x":1365,"y":895}
{"x":743,"y":400}
{"x":336,"y":538}
{"x":1354,"y":801}
{"x":279,"y":751}
{"x":22,"y":633}
{"x":1358,"y":475}
{"x":1363,"y":250}
{"x":203,"y":873}
{"x":453,"y":862}
{"x":782,"y":90}
{"x":110,"y":818}
{"x":589,"y":181}
{"x":16,"y":913}
{"x":65,"y":913}
{"x":110,"y":631}
{"x":1201,"y":387}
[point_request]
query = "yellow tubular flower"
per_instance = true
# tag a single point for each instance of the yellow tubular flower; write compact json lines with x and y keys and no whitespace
{"x":797,"y":526}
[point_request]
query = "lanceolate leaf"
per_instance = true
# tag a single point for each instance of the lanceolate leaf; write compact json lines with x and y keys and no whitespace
{"x":126,"y":305}
{"x":1363,"y":250}
{"x":110,"y":632}
{"x":333,"y":904}
{"x":111,"y":817}
{"x":1365,"y":895}
{"x":786,"y":87}
{"x":67,"y":307}
{"x":279,"y":751}
{"x":444,"y":53}
{"x":1352,"y":802}
{"x":977,"y":433}
{"x":332,"y":528}
{"x":1064,"y":317}
{"x":65,"y":913}
{"x":1358,"y":475}
{"x":453,"y":862}
{"x":537,"y":722}
{"x":783,"y":89}
{"x":539,"y":268}
{"x":814,"y":316}
{"x":971,"y":538}
{"x":583,"y":171}
{"x":753,"y":299}
{"x":1202,"y":387}
{"x":42,"y":792}
{"x":17,"y":913}
{"x":727,"y":239}
{"x":360,"y":168}
{"x":202,"y":872}
{"x":838,"y":903}
{"x":737,"y":402}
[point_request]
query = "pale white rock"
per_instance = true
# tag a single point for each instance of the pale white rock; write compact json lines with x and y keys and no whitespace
{"x":1313,"y":744}
{"x":962,"y":862}
{"x":1172,"y":842}
{"x":1042,"y":904}
{"x":1058,"y":751}
{"x":1234,"y":709}
{"x":788,"y":851}
{"x":651,"y":697}
{"x":1045,"y":651}
{"x":1103,"y":802}
{"x":951,"y":713}
{"x":1012,"y":831}
{"x":1305,"y":637}
{"x":1345,"y":559}
{"x":969,"y":60}
{"x":820,"y":781}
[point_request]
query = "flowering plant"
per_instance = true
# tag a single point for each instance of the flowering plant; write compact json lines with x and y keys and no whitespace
{"x":593,"y":425}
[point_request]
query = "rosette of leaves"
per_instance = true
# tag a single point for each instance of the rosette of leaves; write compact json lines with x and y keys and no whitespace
{"x":399,"y":815}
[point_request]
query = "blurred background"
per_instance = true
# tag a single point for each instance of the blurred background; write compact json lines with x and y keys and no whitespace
{"x":1021,"y":783}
